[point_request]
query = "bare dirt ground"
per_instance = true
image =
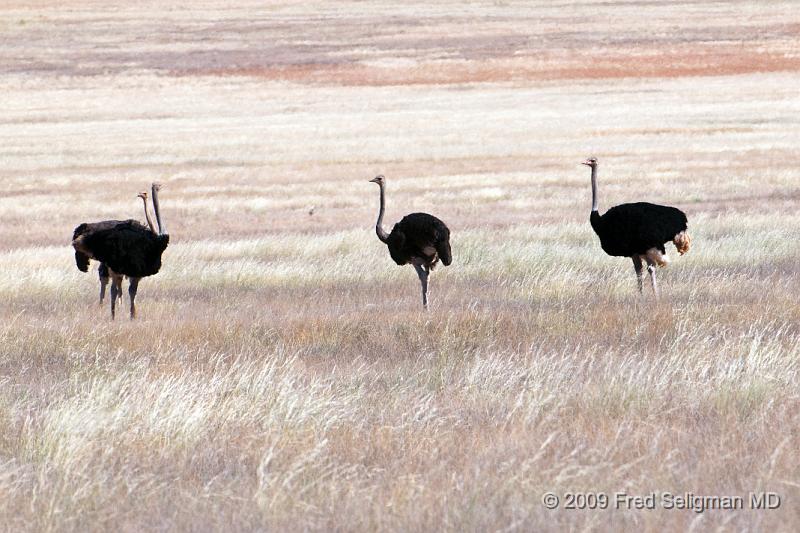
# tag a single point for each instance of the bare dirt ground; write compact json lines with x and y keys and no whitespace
{"x":282,"y":376}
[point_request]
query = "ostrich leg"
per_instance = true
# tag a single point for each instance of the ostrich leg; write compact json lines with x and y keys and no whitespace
{"x":423,"y":274}
{"x":427,"y":285}
{"x":637,"y":265}
{"x":103,"y":283}
{"x":651,"y":268}
{"x":102,"y":273}
{"x":133,"y":285}
{"x":116,"y":292}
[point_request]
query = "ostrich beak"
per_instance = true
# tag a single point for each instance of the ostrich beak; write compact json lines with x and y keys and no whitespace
{"x":587,"y":163}
{"x":376,"y":179}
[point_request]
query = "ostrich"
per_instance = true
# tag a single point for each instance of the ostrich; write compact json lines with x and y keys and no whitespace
{"x":419,"y":238}
{"x":125,"y":248}
{"x":102,"y":271}
{"x":639,"y":231}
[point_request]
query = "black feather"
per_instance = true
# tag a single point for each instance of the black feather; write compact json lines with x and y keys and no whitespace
{"x":82,"y":260}
{"x":632,"y":229}
{"x":421,"y":236}
{"x":443,"y":249}
{"x":126,"y":247}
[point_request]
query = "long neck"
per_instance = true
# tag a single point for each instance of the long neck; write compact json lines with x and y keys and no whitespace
{"x":147,"y":215}
{"x":594,"y":188}
{"x":162,"y":229}
{"x":382,"y":235}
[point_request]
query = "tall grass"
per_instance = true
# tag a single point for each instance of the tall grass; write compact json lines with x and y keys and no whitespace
{"x":282,"y":375}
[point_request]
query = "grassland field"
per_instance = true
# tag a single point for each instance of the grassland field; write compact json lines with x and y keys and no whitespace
{"x":282,"y":376}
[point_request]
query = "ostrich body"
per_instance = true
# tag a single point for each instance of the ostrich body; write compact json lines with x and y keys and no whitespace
{"x":639,"y":231}
{"x":419,"y":239}
{"x":124,"y":248}
{"x":82,"y":260}
{"x":102,"y":271}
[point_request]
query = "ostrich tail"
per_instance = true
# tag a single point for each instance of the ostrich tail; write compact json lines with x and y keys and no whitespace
{"x":683,"y":241}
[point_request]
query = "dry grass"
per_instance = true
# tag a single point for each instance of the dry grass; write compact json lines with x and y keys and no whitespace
{"x":282,"y":376}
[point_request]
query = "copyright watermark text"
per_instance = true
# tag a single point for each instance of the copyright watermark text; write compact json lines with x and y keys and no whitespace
{"x":660,"y":500}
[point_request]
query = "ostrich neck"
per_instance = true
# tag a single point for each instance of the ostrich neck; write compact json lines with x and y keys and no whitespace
{"x":594,"y":189}
{"x":382,"y":235}
{"x":162,"y":228}
{"x":147,"y":216}
{"x":594,"y":217}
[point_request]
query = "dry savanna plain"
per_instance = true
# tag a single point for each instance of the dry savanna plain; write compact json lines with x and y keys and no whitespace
{"x":282,"y":375}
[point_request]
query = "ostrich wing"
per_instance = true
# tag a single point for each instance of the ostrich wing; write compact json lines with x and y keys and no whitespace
{"x":127,"y":248}
{"x":81,"y":258}
{"x":397,"y":246}
{"x":444,"y":251}
{"x":641,"y":226}
{"x":422,"y":232}
{"x":82,"y":261}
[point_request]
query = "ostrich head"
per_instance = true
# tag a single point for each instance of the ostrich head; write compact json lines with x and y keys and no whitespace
{"x":591,"y":162}
{"x":142,"y":195}
{"x":379,"y":179}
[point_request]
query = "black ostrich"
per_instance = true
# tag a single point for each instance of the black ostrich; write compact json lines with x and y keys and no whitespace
{"x":419,"y":238}
{"x":102,"y":271}
{"x":125,"y":248}
{"x":639,"y":231}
